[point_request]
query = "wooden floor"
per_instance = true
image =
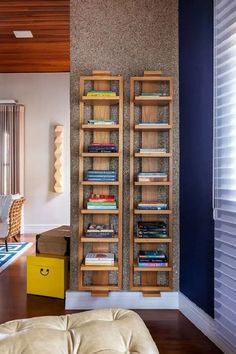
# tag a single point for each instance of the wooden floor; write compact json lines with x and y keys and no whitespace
{"x":171,"y":331}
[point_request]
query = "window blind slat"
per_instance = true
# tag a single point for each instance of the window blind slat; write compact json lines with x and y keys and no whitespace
{"x":225,"y":289}
{"x":225,"y":279}
{"x":226,"y":269}
{"x":223,"y":330}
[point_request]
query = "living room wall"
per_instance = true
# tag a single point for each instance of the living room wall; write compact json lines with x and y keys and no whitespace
{"x":125,"y":37}
{"x":46,"y":100}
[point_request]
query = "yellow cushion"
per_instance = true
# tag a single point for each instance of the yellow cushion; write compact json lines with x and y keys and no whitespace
{"x":105,"y":331}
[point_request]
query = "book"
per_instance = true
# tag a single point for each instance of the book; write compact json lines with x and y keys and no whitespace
{"x":101,"y":93}
{"x":99,"y":234}
{"x":152,"y":224}
{"x":151,"y":94}
{"x":151,"y":260}
{"x":152,"y":253}
{"x":101,"y":203}
{"x":152,"y":179}
{"x":105,"y":172}
{"x":102,"y":175}
{"x":99,"y":259}
{"x":101,"y":122}
{"x":152,"y":123}
{"x":101,"y":144}
{"x":100,"y":256}
{"x":101,"y":207}
{"x":152,"y":206}
{"x":162,"y":264}
{"x":99,"y":263}
{"x":101,"y":197}
{"x":102,"y":147}
{"x":155,"y":151}
{"x":152,"y":176}
{"x":99,"y":227}
{"x":99,"y":230}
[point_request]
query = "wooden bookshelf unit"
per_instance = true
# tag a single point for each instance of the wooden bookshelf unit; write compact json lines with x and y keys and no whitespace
{"x":151,"y":117}
{"x":100,"y":279}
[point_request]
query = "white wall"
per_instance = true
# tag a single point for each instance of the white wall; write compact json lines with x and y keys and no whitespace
{"x":46,"y":100}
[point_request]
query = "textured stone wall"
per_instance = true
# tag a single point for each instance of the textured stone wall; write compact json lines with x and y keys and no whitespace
{"x":125,"y":37}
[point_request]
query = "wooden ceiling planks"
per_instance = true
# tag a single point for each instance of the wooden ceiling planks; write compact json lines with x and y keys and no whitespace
{"x":48,"y":50}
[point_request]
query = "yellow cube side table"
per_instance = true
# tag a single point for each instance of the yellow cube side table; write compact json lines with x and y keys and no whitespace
{"x":47,"y":276}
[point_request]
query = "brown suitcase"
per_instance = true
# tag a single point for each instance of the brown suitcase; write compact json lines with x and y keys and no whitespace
{"x":54,"y":242}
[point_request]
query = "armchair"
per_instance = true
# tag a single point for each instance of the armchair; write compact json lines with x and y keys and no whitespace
{"x":10,"y":217}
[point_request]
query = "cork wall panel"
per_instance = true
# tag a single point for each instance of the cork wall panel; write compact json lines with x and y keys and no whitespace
{"x":125,"y":37}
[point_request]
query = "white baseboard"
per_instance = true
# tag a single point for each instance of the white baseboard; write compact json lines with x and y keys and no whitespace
{"x":78,"y":300}
{"x":204,"y":322}
{"x":38,"y":228}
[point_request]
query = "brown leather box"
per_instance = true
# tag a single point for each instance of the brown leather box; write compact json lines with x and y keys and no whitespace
{"x":54,"y":242}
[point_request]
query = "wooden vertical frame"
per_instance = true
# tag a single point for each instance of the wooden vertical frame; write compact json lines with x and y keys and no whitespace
{"x":101,"y":108}
{"x":149,"y":138}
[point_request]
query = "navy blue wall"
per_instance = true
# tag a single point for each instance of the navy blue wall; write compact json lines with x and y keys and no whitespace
{"x":196,"y":132}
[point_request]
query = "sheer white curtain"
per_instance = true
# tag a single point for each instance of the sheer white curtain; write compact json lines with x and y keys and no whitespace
{"x":225,"y":168}
{"x":11,"y":148}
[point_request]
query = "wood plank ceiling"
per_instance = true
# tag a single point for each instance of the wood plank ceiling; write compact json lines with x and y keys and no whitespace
{"x":48,"y":50}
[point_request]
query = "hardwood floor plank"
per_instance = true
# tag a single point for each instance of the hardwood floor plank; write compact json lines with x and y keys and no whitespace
{"x":170,"y":329}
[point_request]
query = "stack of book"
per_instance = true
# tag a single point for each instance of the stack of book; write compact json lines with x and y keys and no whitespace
{"x":101,"y":122}
{"x":101,"y":93}
{"x":152,"y":177}
{"x":151,"y":229}
{"x":99,"y":230}
{"x":153,"y":151}
{"x":100,"y":259}
{"x":100,"y":202}
{"x":101,"y":175}
{"x":102,"y":147}
{"x":151,"y":258}
{"x":152,"y":205}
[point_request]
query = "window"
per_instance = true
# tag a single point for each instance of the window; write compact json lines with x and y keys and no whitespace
{"x":225,"y":168}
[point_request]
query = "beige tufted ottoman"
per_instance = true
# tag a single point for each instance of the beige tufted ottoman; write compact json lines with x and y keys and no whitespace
{"x":106,"y":331}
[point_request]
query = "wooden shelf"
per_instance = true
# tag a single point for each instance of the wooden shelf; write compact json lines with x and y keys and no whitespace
{"x":99,"y":183}
{"x":151,"y":288}
{"x":101,"y":77}
{"x":99,"y":288}
{"x":152,"y":183}
{"x":99,"y":282}
{"x":152,"y":240}
{"x":152,"y":212}
{"x":103,"y":100}
{"x":151,"y":127}
{"x":97,"y":211}
{"x":84,"y":267}
{"x":99,"y":239}
{"x":151,"y":269}
{"x":100,"y":127}
{"x":140,"y":154}
{"x":100,"y":154}
{"x":151,"y":109}
{"x":152,"y":100}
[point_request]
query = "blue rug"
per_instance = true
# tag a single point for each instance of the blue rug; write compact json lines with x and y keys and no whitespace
{"x":15,"y":250}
